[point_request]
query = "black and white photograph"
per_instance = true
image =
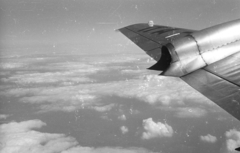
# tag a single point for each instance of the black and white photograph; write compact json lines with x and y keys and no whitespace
{"x":119,"y":76}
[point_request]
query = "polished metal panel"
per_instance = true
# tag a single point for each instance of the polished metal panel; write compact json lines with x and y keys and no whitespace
{"x":183,"y":67}
{"x":186,"y":51}
{"x":186,"y":47}
{"x":203,"y":48}
{"x":221,"y":53}
{"x":217,"y":36}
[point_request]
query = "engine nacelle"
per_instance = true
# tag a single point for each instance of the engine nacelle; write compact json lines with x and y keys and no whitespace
{"x":199,"y":49}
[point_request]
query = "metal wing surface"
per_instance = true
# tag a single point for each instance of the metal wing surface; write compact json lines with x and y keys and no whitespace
{"x":151,"y":39}
{"x":220,"y":82}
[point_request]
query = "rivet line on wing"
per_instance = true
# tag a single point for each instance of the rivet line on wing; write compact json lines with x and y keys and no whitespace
{"x":198,"y":49}
{"x":214,"y":48}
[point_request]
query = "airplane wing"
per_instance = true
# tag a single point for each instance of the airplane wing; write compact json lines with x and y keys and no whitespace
{"x":220,"y":82}
{"x":151,"y":39}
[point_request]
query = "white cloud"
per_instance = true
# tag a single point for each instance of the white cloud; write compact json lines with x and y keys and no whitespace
{"x":124,"y":129}
{"x":233,"y":140}
{"x":19,"y":137}
{"x":208,"y":138}
{"x":4,"y":116}
{"x":154,"y":129}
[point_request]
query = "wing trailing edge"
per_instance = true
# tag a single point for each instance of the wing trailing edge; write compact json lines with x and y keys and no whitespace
{"x":220,"y":82}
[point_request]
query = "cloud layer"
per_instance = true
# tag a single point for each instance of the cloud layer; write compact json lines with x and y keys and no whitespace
{"x":60,"y":84}
{"x":71,"y":73}
{"x":20,"y":137}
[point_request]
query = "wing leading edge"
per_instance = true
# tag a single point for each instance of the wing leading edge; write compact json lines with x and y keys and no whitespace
{"x":151,"y":39}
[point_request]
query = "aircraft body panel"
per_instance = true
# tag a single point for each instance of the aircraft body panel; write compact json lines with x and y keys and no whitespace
{"x":208,"y":59}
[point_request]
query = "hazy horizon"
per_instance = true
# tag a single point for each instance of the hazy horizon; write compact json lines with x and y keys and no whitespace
{"x":90,"y":25}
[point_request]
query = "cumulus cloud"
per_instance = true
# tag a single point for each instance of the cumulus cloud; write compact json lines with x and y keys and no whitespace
{"x":124,"y":129}
{"x":208,"y":138}
{"x":20,"y":137}
{"x":4,"y":116}
{"x":233,"y":140}
{"x":154,"y":130}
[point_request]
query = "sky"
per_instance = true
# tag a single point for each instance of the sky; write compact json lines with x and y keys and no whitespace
{"x":90,"y":24}
{"x":70,"y":83}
